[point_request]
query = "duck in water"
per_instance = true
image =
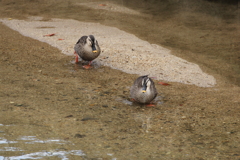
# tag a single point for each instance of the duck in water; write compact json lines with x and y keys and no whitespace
{"x":143,"y":90}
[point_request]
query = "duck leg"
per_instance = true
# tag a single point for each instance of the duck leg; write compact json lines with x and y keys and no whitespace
{"x":76,"y":57}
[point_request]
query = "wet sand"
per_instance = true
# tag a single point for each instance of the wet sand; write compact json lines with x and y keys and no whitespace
{"x":44,"y":95}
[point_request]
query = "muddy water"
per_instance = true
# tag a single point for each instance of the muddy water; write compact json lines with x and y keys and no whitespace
{"x":204,"y":32}
{"x":51,"y":108}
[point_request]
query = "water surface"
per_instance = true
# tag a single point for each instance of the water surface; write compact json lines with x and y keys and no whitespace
{"x":44,"y":98}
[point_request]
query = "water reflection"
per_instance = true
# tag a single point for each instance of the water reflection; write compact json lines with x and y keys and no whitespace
{"x":10,"y":149}
{"x":5,"y":141}
{"x":158,"y":101}
{"x":31,"y":147}
{"x":33,"y":139}
{"x":29,"y":140}
{"x":39,"y":155}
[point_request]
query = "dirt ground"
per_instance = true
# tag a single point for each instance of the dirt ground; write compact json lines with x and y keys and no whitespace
{"x":45,"y":95}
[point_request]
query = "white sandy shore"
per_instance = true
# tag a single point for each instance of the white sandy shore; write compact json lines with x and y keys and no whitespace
{"x":125,"y":51}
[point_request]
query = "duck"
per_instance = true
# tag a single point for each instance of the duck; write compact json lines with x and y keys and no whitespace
{"x":88,"y":49}
{"x":143,"y":90}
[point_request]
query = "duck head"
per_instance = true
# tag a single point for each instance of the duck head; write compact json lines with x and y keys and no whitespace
{"x":91,"y":41}
{"x":145,"y":83}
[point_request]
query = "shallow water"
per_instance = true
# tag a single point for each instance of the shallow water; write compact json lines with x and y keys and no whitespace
{"x":205,"y":32}
{"x":47,"y":99}
{"x":30,"y":147}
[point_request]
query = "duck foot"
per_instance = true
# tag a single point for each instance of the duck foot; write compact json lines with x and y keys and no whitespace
{"x":133,"y":100}
{"x":87,"y":66}
{"x":150,"y":105}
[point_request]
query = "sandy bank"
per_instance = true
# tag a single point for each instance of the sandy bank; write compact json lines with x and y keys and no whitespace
{"x":121,"y":50}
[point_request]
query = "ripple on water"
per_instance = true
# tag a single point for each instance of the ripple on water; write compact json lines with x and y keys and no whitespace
{"x":38,"y":155}
{"x":29,"y":140}
{"x":157,"y":100}
{"x":5,"y":141}
{"x":22,"y":153}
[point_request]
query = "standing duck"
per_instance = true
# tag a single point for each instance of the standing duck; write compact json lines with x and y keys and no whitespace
{"x":143,"y":90}
{"x":87,"y":48}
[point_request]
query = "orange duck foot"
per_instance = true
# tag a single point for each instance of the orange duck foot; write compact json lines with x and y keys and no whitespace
{"x":150,"y":105}
{"x":87,"y":66}
{"x":133,"y":100}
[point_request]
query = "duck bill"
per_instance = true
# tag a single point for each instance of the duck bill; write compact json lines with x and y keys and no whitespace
{"x":144,"y":88}
{"x":94,"y":50}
